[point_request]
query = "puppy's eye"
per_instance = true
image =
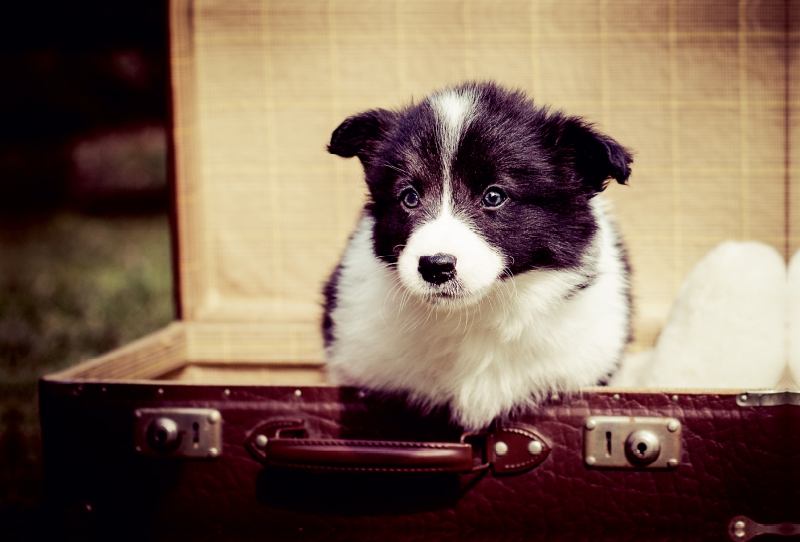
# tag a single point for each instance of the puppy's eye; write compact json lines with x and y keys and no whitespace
{"x":494,"y":197}
{"x":409,"y":197}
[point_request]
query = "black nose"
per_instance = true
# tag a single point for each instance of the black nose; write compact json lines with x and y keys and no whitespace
{"x":438,"y":268}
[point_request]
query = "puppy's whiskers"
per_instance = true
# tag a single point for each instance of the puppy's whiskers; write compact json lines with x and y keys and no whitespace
{"x":399,"y":170}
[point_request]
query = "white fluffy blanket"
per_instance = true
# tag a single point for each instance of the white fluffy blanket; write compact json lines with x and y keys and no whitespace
{"x":735,"y":324}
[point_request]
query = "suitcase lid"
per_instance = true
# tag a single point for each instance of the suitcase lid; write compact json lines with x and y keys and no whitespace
{"x":263,"y":211}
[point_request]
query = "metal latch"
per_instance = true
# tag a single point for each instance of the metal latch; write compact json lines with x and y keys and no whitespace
{"x":623,"y":442}
{"x":178,"y":432}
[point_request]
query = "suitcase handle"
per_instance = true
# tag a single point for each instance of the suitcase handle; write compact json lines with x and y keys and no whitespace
{"x":385,"y":456}
{"x":507,"y":448}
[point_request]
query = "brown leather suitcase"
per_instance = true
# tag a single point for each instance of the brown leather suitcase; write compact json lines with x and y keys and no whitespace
{"x":221,"y":425}
{"x":736,"y":463}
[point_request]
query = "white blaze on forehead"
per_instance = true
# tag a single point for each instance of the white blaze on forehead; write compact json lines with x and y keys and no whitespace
{"x":478,"y":265}
{"x":454,"y":110}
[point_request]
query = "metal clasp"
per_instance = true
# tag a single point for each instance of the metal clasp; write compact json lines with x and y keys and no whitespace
{"x":189,"y":433}
{"x":624,"y":442}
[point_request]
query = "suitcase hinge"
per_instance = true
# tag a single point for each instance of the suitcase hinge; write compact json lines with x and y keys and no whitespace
{"x":744,"y":528}
{"x":768,"y":398}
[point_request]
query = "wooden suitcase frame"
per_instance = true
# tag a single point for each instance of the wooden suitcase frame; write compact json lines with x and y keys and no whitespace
{"x":734,"y":477}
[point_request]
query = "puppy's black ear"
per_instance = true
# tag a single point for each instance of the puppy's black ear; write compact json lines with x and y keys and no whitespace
{"x":596,"y":157}
{"x":357,"y":135}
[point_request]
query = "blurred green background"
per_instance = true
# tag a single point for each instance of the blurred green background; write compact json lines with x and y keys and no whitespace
{"x":84,"y":228}
{"x":74,"y":286}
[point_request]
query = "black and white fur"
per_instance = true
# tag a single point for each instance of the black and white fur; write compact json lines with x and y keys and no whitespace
{"x":484,"y":272}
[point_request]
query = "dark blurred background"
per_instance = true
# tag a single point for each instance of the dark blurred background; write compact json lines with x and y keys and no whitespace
{"x":84,"y":231}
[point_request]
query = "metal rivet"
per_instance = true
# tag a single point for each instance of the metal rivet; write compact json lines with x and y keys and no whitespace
{"x":674,"y":398}
{"x":535,"y":447}
{"x":500,"y":448}
{"x":672,"y":463}
{"x":591,"y":424}
{"x":743,"y":398}
{"x":361,"y":394}
{"x":137,"y":413}
{"x":739,"y":524}
{"x":615,"y":397}
{"x":739,"y":533}
{"x":298,"y":393}
{"x":591,"y":460}
{"x":227,"y":393}
{"x":214,"y":417}
{"x":554,"y":397}
{"x":213,"y":452}
{"x":673,"y":425}
{"x":138,"y":448}
{"x":161,"y":391}
{"x":261,"y":441}
{"x":88,"y":507}
{"x":103,"y":389}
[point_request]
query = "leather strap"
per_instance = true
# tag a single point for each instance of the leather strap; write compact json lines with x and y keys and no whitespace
{"x":283,"y":443}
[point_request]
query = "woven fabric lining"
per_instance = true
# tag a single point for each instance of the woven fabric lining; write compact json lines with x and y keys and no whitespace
{"x":700,"y":90}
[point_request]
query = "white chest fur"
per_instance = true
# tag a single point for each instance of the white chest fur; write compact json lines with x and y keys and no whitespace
{"x":531,"y":334}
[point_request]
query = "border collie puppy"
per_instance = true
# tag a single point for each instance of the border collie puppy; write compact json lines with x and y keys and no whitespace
{"x":484,"y":273}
